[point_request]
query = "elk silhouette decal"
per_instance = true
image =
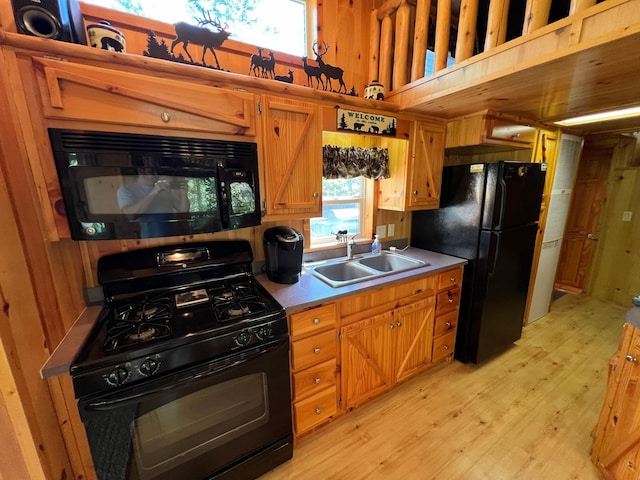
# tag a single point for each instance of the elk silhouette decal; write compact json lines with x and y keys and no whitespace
{"x":198,"y":35}
{"x":329,"y":71}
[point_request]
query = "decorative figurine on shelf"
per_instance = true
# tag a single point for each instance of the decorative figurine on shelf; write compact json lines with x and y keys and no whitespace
{"x":374,"y":91}
{"x":329,"y":71}
{"x":285,"y":78}
{"x":198,"y":35}
{"x":312,"y":72}
{"x":261,"y":66}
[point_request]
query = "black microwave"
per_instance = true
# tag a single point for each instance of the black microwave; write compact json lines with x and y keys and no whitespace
{"x":121,"y":185}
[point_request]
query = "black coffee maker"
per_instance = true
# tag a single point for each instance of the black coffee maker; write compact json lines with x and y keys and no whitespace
{"x":283,"y":254}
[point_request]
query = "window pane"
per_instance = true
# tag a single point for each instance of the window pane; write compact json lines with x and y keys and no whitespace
{"x":342,"y":188}
{"x":340,"y":216}
{"x":279,"y":25}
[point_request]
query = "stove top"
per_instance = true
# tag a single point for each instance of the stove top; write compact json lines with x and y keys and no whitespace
{"x":158,"y":317}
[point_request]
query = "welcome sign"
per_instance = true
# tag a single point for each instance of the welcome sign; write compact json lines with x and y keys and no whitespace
{"x":366,"y":122}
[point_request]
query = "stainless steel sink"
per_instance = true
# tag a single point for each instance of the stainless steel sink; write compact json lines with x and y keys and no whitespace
{"x":338,"y":273}
{"x":390,"y":262}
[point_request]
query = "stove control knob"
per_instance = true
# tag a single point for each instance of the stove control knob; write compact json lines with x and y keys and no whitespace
{"x":149,"y":367}
{"x":265,"y":333}
{"x":117,"y":376}
{"x":243,"y":339}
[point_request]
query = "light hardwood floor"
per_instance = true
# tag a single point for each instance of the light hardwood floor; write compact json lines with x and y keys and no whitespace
{"x":527,"y":414}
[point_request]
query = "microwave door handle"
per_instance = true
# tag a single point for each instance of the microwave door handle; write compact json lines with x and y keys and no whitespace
{"x":105,"y":405}
{"x":223,"y":192}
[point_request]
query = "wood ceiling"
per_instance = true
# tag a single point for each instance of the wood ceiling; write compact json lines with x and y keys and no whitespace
{"x":598,"y":72}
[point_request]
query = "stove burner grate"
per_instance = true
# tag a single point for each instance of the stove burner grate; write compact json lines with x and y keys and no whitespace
{"x":232,"y":302}
{"x":138,"y":322}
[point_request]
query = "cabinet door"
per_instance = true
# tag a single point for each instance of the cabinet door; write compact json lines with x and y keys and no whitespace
{"x":367,"y":358}
{"x":292,"y":158}
{"x":72,"y":91}
{"x":425,"y":172}
{"x":414,"y":337}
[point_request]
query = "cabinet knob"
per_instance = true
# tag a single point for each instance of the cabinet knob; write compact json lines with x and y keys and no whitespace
{"x":392,"y":326}
{"x":165,"y":117}
{"x":318,"y":411}
{"x":317,"y":380}
{"x":445,"y":347}
{"x":631,"y":358}
{"x":316,"y":194}
{"x":316,"y":321}
{"x":450,"y":300}
{"x":448,"y":325}
{"x":453,"y":279}
{"x":415,"y":192}
{"x":399,"y":324}
{"x":316,"y":350}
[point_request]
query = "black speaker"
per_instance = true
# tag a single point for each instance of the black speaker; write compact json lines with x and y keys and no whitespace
{"x":56,"y":19}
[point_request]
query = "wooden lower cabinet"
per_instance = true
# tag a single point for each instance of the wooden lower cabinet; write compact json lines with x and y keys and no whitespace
{"x":386,"y":336}
{"x":616,"y":446}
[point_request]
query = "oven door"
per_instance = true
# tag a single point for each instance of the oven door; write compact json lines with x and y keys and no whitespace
{"x":228,"y":418}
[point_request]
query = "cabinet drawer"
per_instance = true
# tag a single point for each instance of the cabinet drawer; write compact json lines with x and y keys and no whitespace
{"x":312,"y":350}
{"x":313,"y":320}
{"x":448,"y":300}
{"x":314,"y":379}
{"x":446,"y":323}
{"x":315,"y":410}
{"x":443,"y":346}
{"x":450,"y":278}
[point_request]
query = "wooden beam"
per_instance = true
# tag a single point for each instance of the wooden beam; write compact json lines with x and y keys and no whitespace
{"x":443,"y":26}
{"x":536,"y":15}
{"x":496,"y":24}
{"x":420,"y":35}
{"x":374,"y":46}
{"x":401,"y":45}
{"x":386,"y":51}
{"x":466,"y":29}
{"x":579,"y":5}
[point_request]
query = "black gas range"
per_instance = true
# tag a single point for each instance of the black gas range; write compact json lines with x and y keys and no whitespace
{"x":181,"y":323}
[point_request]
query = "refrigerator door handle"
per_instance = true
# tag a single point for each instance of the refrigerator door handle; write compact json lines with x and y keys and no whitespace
{"x":494,"y":250}
{"x":503,"y":201}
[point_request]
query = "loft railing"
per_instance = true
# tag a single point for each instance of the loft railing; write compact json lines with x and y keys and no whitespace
{"x":406,"y":28}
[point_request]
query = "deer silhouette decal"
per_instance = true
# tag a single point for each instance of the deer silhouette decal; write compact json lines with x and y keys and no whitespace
{"x":198,"y":35}
{"x":329,"y":71}
{"x":312,"y":72}
{"x":285,"y":78}
{"x":256,"y":62}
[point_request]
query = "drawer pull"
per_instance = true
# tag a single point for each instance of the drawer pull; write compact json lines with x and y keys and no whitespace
{"x":453,"y":279}
{"x":399,"y":324}
{"x":165,"y":117}
{"x":391,"y":326}
{"x":631,"y":358}
{"x":316,"y":350}
{"x":450,"y":300}
{"x":316,"y":321}
{"x":317,"y":380}
{"x":445,"y":347}
{"x":318,"y":411}
{"x":448,"y":325}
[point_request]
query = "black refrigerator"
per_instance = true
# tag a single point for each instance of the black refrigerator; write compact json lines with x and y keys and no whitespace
{"x":489,"y":215}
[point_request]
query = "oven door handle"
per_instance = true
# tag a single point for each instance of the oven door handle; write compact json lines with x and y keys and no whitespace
{"x":228,"y":363}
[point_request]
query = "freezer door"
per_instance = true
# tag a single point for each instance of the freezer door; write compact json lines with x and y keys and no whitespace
{"x":499,"y":292}
{"x":513,"y":194}
{"x":455,"y":226}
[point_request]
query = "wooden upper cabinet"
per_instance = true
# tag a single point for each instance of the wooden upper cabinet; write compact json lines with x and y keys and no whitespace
{"x":415,"y":182}
{"x":292,"y":157}
{"x":72,"y":91}
{"x":484,"y":129}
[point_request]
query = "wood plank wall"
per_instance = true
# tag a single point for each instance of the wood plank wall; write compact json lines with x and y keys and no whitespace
{"x":613,"y":275}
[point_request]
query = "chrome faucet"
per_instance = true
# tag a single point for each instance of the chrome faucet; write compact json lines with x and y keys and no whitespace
{"x":350,"y":243}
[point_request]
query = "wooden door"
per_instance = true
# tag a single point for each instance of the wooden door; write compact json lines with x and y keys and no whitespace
{"x":425,"y":172}
{"x":583,"y":223}
{"x":292,"y":158}
{"x":414,"y":337}
{"x":367,"y":358}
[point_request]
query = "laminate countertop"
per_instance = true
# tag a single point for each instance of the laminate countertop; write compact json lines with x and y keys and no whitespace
{"x":310,"y":291}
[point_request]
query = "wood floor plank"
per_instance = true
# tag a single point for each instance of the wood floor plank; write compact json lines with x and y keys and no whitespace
{"x":527,"y":414}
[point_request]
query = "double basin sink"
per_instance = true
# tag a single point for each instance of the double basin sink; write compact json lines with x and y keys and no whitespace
{"x":338,"y":273}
